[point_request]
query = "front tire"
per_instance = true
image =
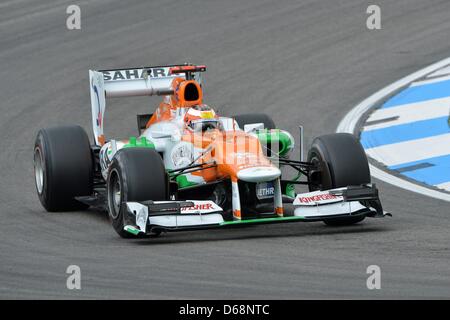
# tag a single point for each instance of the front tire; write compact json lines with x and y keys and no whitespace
{"x":342,"y":163}
{"x":63,"y":167}
{"x":135,"y":174}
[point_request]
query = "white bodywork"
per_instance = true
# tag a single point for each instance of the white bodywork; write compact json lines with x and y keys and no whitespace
{"x":257,"y":174}
{"x":315,"y":204}
{"x":204,"y":212}
{"x":126,"y":83}
{"x":166,"y":135}
{"x":324,"y":203}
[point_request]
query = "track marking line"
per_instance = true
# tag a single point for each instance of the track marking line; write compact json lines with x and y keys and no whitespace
{"x":440,"y":72}
{"x":407,"y":113}
{"x":425,"y":92}
{"x":408,"y":132}
{"x":429,"y":81}
{"x":445,"y":186}
{"x":411,"y":150}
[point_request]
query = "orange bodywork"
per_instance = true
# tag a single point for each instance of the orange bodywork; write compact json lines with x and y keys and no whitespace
{"x":231,"y":150}
{"x":168,"y":106}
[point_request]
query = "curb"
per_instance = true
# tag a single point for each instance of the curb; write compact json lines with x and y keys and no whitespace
{"x":350,"y":121}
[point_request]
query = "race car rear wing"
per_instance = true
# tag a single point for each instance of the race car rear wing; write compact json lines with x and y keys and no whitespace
{"x":146,"y":81}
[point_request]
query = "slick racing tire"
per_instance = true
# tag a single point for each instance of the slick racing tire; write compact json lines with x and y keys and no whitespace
{"x":135,"y":174}
{"x":249,"y":118}
{"x":63,"y":167}
{"x":342,"y":163}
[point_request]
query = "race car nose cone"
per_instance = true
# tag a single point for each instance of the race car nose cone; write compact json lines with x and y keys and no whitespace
{"x":258,"y":174}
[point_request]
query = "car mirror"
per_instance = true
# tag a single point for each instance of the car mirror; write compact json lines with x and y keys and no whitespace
{"x":251,"y":127}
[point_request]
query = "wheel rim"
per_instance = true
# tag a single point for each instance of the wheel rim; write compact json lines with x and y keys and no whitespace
{"x":219,"y":195}
{"x":315,"y":160}
{"x":38,"y":170}
{"x":115,"y":194}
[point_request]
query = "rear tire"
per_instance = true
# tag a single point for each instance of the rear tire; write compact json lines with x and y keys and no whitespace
{"x":249,"y":118}
{"x":63,"y":167}
{"x":343,"y":163}
{"x":135,"y":174}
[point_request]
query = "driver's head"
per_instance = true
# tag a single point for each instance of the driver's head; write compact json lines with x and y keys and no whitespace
{"x":201,"y":118}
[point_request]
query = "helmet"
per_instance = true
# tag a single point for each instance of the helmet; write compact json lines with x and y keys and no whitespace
{"x":201,"y":118}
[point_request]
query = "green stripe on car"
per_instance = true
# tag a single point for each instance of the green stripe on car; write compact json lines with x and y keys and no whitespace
{"x":133,"y":142}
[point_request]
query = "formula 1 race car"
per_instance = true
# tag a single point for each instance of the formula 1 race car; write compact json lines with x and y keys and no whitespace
{"x":190,"y":168}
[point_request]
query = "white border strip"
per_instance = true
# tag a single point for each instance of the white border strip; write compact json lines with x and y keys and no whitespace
{"x":349,"y":122}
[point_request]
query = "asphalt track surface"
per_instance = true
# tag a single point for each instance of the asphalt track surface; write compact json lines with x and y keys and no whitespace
{"x":305,"y":62}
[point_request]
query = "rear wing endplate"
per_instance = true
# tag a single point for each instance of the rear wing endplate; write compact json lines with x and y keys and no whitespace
{"x":130,"y":82}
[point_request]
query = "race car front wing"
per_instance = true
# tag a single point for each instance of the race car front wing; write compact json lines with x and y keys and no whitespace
{"x":146,"y":217}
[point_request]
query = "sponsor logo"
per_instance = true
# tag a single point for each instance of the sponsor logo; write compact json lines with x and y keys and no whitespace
{"x":132,"y":74}
{"x":199,"y":207}
{"x":182,"y":155}
{"x":318,"y":198}
{"x":265,"y":190}
{"x":99,"y":114}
